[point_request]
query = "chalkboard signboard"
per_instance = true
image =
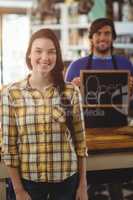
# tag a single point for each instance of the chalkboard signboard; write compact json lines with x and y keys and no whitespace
{"x":105,"y":97}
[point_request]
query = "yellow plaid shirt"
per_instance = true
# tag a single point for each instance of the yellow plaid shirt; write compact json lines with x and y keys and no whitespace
{"x":35,"y":136}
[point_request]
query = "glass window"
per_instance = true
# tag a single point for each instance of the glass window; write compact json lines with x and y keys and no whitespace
{"x":15,"y":36}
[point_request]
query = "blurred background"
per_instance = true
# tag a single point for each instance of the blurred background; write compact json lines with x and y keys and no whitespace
{"x":70,"y":20}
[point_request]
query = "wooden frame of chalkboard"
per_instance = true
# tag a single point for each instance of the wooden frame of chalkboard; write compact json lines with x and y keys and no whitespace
{"x":105,"y":97}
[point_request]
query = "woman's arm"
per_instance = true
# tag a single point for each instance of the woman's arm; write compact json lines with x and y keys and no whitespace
{"x":81,"y":193}
{"x":10,"y":154}
{"x":19,"y":190}
{"x":80,"y":145}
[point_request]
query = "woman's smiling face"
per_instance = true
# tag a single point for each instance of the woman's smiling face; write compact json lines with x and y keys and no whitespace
{"x":43,"y":56}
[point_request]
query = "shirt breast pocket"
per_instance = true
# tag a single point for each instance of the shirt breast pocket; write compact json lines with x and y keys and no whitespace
{"x":58,"y":114}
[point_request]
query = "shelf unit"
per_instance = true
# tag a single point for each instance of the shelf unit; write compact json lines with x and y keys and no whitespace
{"x":64,"y":28}
{"x":73,"y":32}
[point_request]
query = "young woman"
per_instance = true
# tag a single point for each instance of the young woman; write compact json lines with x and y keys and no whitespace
{"x":45,"y":158}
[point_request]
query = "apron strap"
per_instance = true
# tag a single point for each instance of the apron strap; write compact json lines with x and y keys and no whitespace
{"x":89,"y":66}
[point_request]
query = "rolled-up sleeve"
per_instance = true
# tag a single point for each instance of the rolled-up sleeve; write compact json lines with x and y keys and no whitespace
{"x":9,"y":131}
{"x":78,"y":123}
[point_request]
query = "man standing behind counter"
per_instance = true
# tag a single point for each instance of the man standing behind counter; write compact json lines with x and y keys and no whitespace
{"x":102,"y":35}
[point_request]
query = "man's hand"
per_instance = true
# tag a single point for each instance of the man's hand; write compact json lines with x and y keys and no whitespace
{"x":131,"y":85}
{"x":76,"y":81}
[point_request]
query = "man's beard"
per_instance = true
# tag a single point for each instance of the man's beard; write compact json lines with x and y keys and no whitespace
{"x":103,"y":50}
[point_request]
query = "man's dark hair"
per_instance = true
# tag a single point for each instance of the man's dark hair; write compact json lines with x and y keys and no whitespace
{"x":99,"y":23}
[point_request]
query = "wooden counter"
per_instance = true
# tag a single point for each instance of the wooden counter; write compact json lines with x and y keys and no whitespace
{"x":109,"y":148}
{"x":109,"y":138}
{"x":99,"y":141}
